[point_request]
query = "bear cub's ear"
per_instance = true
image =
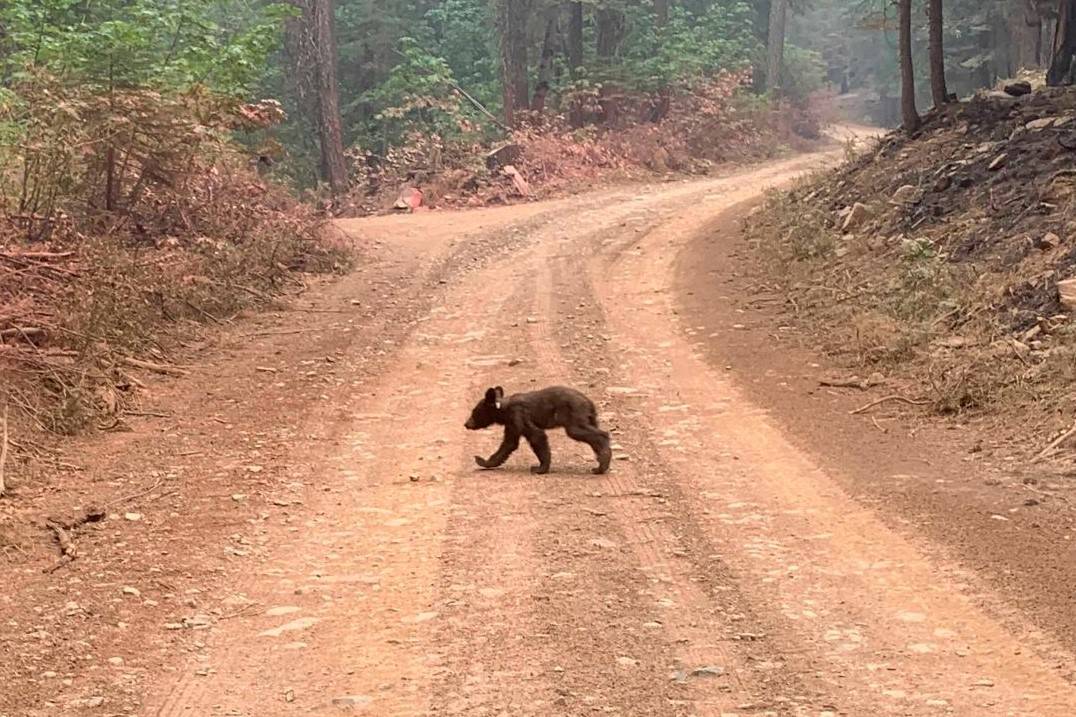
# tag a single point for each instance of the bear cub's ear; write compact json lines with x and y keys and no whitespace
{"x":494,"y":395}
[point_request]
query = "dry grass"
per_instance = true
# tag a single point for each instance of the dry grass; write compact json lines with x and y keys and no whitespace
{"x":713,"y":124}
{"x":125,"y":226}
{"x":952,"y":293}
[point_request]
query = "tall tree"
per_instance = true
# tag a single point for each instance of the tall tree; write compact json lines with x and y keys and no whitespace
{"x":775,"y":44}
{"x":609,"y":22}
{"x":907,"y":69}
{"x":938,"y":89}
{"x":575,"y":36}
{"x":661,"y":12}
{"x":1061,"y":64}
{"x":545,"y":64}
{"x":609,"y":30}
{"x":312,"y":50}
{"x":512,"y":17}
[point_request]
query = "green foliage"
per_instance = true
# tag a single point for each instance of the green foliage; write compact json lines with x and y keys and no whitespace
{"x":461,"y":31}
{"x":804,"y":72}
{"x":688,"y":48}
{"x":161,"y":44}
{"x":419,"y":95}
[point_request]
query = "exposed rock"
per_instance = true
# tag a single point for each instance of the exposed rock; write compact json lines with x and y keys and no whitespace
{"x":410,"y":199}
{"x":708,"y":671}
{"x":1067,"y":291}
{"x":1041,"y":124}
{"x":1018,"y":88}
{"x":351,"y":702}
{"x":1048,"y":241}
{"x":999,"y":97}
{"x":908,"y":194}
{"x":858,"y":215}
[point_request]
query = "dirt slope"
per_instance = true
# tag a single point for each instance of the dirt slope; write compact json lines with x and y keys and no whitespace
{"x":321,"y":543}
{"x":939,"y":261}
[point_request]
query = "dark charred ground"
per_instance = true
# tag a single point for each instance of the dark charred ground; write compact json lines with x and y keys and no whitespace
{"x":945,"y":281}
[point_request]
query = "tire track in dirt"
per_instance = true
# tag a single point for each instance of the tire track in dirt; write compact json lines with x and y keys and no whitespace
{"x":716,"y":571}
{"x":352,"y":600}
{"x":398,"y":596}
{"x":887,"y":630}
{"x":710,"y":624}
{"x":489,"y":636}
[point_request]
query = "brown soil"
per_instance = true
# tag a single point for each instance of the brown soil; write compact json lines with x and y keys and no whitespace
{"x":1009,"y":522}
{"x":305,"y":532}
{"x":950,"y":283}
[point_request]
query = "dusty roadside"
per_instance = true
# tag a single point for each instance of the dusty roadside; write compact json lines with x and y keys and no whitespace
{"x":1014,"y":525}
{"x":304,"y":531}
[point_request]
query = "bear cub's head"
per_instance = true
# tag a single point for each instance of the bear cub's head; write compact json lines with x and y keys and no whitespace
{"x":487,"y":412}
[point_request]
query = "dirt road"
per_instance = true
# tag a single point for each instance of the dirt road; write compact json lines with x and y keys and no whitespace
{"x":718,"y":570}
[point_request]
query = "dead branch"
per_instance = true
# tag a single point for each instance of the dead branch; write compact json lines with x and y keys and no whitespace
{"x":1055,"y":444}
{"x":129,"y":498}
{"x":3,"y":452}
{"x":259,"y":334}
{"x":63,"y":539}
{"x":63,"y":531}
{"x":27,"y":333}
{"x":854,"y":382}
{"x":154,"y":367}
{"x":44,"y":255}
{"x":886,"y":399}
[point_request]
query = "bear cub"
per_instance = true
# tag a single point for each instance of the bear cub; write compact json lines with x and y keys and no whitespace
{"x":530,"y":415}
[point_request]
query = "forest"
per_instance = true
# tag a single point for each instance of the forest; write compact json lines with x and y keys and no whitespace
{"x":216,"y":132}
{"x":364,"y":84}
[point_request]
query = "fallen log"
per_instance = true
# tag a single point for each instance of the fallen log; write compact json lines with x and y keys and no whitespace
{"x":154,"y":367}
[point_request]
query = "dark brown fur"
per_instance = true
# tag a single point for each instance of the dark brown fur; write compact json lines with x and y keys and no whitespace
{"x":530,"y":415}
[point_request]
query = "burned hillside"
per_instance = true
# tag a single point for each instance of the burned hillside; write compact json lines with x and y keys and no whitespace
{"x":947,"y":257}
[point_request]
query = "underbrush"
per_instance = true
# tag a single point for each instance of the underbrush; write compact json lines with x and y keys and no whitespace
{"x":937,"y":260}
{"x":126,"y":221}
{"x":686,"y":132}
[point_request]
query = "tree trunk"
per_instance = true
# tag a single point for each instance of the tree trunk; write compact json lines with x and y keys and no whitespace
{"x":545,"y":66}
{"x":661,"y":12}
{"x":311,"y":47}
{"x":775,"y":47}
{"x":1061,"y":69}
{"x":334,"y":164}
{"x":907,"y":71}
{"x":938,"y":89}
{"x":512,"y":25}
{"x":1038,"y":43}
{"x":610,"y":32}
{"x":1025,"y":29}
{"x":575,"y":36}
{"x":663,"y":102}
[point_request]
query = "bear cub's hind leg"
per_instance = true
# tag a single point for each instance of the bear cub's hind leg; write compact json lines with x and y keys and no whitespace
{"x":589,"y":433}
